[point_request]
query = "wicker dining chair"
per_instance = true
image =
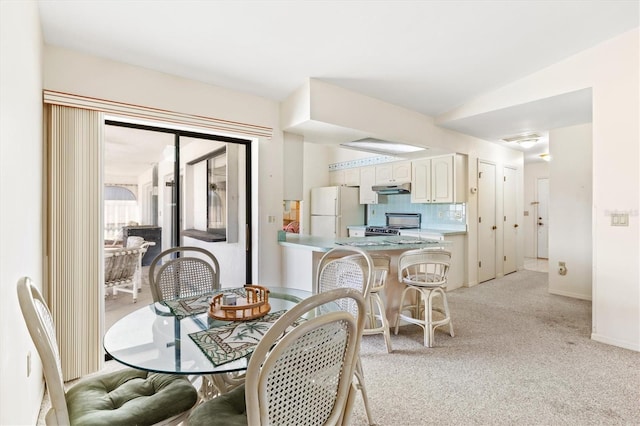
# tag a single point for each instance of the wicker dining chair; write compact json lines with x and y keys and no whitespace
{"x":191,"y":271}
{"x":122,"y":270}
{"x":301,"y":372}
{"x":122,"y":397}
{"x":377,"y":322}
{"x":349,"y":267}
{"x":424,"y":272}
{"x":182,"y":272}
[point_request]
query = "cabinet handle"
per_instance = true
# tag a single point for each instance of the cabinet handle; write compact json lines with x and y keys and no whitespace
{"x":494,"y":227}
{"x":515,"y":226}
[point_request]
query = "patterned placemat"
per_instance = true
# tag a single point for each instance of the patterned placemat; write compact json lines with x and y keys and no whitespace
{"x":236,"y":340}
{"x":195,"y":305}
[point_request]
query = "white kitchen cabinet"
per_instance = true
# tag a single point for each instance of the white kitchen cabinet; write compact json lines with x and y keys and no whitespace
{"x":345,"y":177}
{"x":367,"y":180}
{"x":336,"y":178}
{"x":439,"y":180}
{"x":352,"y":177}
{"x":393,"y":173}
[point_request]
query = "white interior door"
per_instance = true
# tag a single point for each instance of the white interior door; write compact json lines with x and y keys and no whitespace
{"x":486,"y":221}
{"x":543,"y":218}
{"x":510,"y":234}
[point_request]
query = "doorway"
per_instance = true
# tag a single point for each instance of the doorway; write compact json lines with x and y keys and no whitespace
{"x":486,"y":221}
{"x":170,"y":172}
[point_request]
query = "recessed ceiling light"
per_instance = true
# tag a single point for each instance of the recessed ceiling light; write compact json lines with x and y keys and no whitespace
{"x":380,"y":146}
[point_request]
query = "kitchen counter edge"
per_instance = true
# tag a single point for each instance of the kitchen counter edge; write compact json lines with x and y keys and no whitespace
{"x":436,"y":231}
{"x":323,"y":244}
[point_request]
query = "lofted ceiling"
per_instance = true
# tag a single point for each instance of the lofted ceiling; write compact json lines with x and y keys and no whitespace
{"x":428,"y":56}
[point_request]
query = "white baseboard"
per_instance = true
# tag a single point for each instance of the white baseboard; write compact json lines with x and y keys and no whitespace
{"x":570,"y":294}
{"x":634,"y":346}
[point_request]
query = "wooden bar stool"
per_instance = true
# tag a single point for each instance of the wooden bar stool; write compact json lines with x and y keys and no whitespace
{"x":377,"y":322}
{"x":424,"y":272}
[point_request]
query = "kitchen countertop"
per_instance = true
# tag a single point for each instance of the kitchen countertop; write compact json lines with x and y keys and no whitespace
{"x":312,"y":243}
{"x":444,"y":231}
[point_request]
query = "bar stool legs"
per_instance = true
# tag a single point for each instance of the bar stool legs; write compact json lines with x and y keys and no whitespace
{"x":422,"y":311}
{"x":377,"y":319}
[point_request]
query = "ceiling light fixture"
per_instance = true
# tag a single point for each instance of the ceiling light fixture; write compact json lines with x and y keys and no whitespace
{"x":526,"y":141}
{"x":380,"y":146}
{"x":545,"y":157}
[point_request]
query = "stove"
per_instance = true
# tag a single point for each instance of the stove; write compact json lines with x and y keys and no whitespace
{"x":395,"y":222}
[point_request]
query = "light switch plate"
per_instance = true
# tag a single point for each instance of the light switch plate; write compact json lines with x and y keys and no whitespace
{"x":619,"y":219}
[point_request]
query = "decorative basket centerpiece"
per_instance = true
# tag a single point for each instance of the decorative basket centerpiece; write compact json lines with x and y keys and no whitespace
{"x":231,"y":307}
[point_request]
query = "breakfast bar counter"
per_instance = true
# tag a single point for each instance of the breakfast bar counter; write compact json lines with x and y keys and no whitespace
{"x":390,"y":242}
{"x":302,"y":253}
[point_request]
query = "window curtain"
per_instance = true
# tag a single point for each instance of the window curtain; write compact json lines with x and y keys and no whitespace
{"x":74,"y":236}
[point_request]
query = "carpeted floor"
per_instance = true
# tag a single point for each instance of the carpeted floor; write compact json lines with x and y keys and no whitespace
{"x":520,"y":356}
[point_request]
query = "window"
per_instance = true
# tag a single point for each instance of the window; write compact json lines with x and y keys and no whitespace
{"x":120,"y":209}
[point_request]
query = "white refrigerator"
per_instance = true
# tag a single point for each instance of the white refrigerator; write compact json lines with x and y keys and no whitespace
{"x":333,"y":208}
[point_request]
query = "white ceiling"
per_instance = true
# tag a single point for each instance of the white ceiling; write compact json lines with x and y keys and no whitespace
{"x":429,"y":56}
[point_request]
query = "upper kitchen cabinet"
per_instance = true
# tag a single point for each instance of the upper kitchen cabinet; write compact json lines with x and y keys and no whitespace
{"x":439,"y":180}
{"x":393,"y":173}
{"x":345,"y":177}
{"x":367,"y":180}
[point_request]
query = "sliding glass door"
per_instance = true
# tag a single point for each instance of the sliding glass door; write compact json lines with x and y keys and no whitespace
{"x":188,"y":189}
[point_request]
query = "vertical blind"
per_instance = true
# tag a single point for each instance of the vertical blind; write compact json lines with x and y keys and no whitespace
{"x":75,"y":271}
{"x":75,"y":216}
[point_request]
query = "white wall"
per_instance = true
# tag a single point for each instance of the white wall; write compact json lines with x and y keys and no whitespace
{"x":532,"y":172}
{"x":21,"y":181}
{"x":611,"y":69}
{"x":570,"y":190}
{"x":315,"y":173}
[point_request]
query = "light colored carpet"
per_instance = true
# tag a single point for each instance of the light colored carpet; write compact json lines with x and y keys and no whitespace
{"x":520,"y":356}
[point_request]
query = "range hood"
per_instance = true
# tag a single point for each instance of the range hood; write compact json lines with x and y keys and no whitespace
{"x":404,"y":188}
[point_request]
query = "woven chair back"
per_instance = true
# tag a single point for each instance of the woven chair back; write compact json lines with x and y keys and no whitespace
{"x":424,"y":267}
{"x":42,"y":330}
{"x":177,"y":273}
{"x":301,"y":372}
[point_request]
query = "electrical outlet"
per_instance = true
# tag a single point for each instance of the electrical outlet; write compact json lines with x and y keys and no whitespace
{"x":28,"y":363}
{"x":562,"y":268}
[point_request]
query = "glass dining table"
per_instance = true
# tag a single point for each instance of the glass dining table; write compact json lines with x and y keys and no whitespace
{"x":181,"y":338}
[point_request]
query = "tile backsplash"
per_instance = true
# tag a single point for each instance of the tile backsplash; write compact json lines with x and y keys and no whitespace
{"x":433,"y":215}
